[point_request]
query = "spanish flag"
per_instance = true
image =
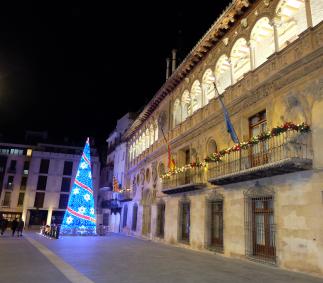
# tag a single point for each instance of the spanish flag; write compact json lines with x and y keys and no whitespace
{"x":115,"y":185}
{"x":171,"y":161}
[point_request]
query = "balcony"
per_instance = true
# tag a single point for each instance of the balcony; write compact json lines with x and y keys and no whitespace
{"x":190,"y":180}
{"x":5,"y":203}
{"x":125,"y":196}
{"x":286,"y":153}
{"x":110,"y":204}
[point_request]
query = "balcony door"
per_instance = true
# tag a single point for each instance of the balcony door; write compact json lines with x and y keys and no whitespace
{"x":187,"y":161}
{"x":258,"y":152}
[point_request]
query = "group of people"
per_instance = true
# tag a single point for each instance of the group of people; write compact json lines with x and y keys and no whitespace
{"x":15,"y":225}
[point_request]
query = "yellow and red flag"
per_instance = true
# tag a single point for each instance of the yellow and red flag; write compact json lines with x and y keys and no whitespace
{"x":115,"y":185}
{"x":171,"y":161}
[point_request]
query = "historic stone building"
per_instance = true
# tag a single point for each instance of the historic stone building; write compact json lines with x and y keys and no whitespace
{"x":113,"y":174}
{"x":262,"y":198}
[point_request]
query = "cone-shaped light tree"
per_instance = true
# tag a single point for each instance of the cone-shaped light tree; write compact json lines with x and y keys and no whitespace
{"x":79,"y":218}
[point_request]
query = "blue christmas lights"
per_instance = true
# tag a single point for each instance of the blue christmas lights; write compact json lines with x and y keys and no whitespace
{"x":79,"y":218}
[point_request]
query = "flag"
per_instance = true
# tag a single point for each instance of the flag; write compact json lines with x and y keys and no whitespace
{"x":171,"y":161}
{"x":115,"y":185}
{"x":230,"y":128}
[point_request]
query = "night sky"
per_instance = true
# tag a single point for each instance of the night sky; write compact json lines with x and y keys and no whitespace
{"x":73,"y":69}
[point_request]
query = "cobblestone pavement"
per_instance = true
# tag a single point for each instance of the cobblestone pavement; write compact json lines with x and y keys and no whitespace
{"x":117,"y":258}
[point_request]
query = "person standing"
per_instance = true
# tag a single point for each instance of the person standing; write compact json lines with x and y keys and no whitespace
{"x":4,"y":224}
{"x":20,"y":228}
{"x":14,"y":225}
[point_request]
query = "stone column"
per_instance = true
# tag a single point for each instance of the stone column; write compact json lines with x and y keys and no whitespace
{"x":252,"y":55}
{"x":231,"y":71}
{"x":276,"y":39}
{"x":308,"y":14}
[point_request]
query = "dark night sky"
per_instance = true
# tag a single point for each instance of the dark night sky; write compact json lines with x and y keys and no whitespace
{"x":68,"y":67}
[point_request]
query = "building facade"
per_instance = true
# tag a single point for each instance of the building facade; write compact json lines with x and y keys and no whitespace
{"x":112,"y":174}
{"x":261,"y":198}
{"x":37,"y":181}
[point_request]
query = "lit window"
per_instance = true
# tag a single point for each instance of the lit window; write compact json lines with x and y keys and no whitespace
{"x":29,"y":152}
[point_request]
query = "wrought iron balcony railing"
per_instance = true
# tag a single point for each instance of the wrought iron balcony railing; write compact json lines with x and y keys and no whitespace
{"x":188,"y":180}
{"x":125,"y":196}
{"x":288,"y":152}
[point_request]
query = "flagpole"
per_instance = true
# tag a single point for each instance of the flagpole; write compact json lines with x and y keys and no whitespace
{"x":229,"y":125}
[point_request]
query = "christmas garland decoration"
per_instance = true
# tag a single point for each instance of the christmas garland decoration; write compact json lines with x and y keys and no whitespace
{"x":288,"y":126}
{"x":184,"y":168}
{"x":217,"y":156}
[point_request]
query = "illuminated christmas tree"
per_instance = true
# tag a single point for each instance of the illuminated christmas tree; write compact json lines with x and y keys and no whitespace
{"x":79,"y":218}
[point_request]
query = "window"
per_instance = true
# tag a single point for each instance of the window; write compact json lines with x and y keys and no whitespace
{"x":6,"y":199}
{"x":68,"y":168}
{"x":39,"y":200}
{"x":125,"y":212}
{"x":257,"y":123}
{"x":12,"y":167}
{"x":134,"y":217}
{"x":21,"y":199}
{"x":63,"y":201}
{"x":41,"y":184}
{"x":26,"y":167}
{"x":66,"y":183}
{"x":160,"y":220}
{"x":10,"y":182}
{"x":211,"y":147}
{"x":23,"y":183}
{"x":44,"y":165}
{"x":29,"y":152}
{"x":185,"y":221}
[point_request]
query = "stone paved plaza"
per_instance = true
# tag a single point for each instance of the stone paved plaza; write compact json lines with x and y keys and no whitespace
{"x":115,"y":258}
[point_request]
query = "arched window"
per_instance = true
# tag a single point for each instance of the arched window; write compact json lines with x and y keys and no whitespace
{"x":290,"y":20}
{"x":161,"y":169}
{"x":222,"y":74}
{"x":196,"y":96}
{"x":140,"y":144}
{"x":211,"y":147}
{"x":151,"y":132}
{"x":130,"y":153}
{"x":240,"y":59}
{"x":147,"y":138}
{"x":136,"y":149}
{"x":207,"y":86}
{"x":177,"y":112}
{"x":156,"y":131}
{"x":143,"y":140}
{"x":317,"y":11}
{"x":186,"y":105}
{"x":262,"y":41}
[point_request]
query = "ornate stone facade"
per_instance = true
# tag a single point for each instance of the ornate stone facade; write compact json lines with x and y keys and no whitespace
{"x":265,"y":209}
